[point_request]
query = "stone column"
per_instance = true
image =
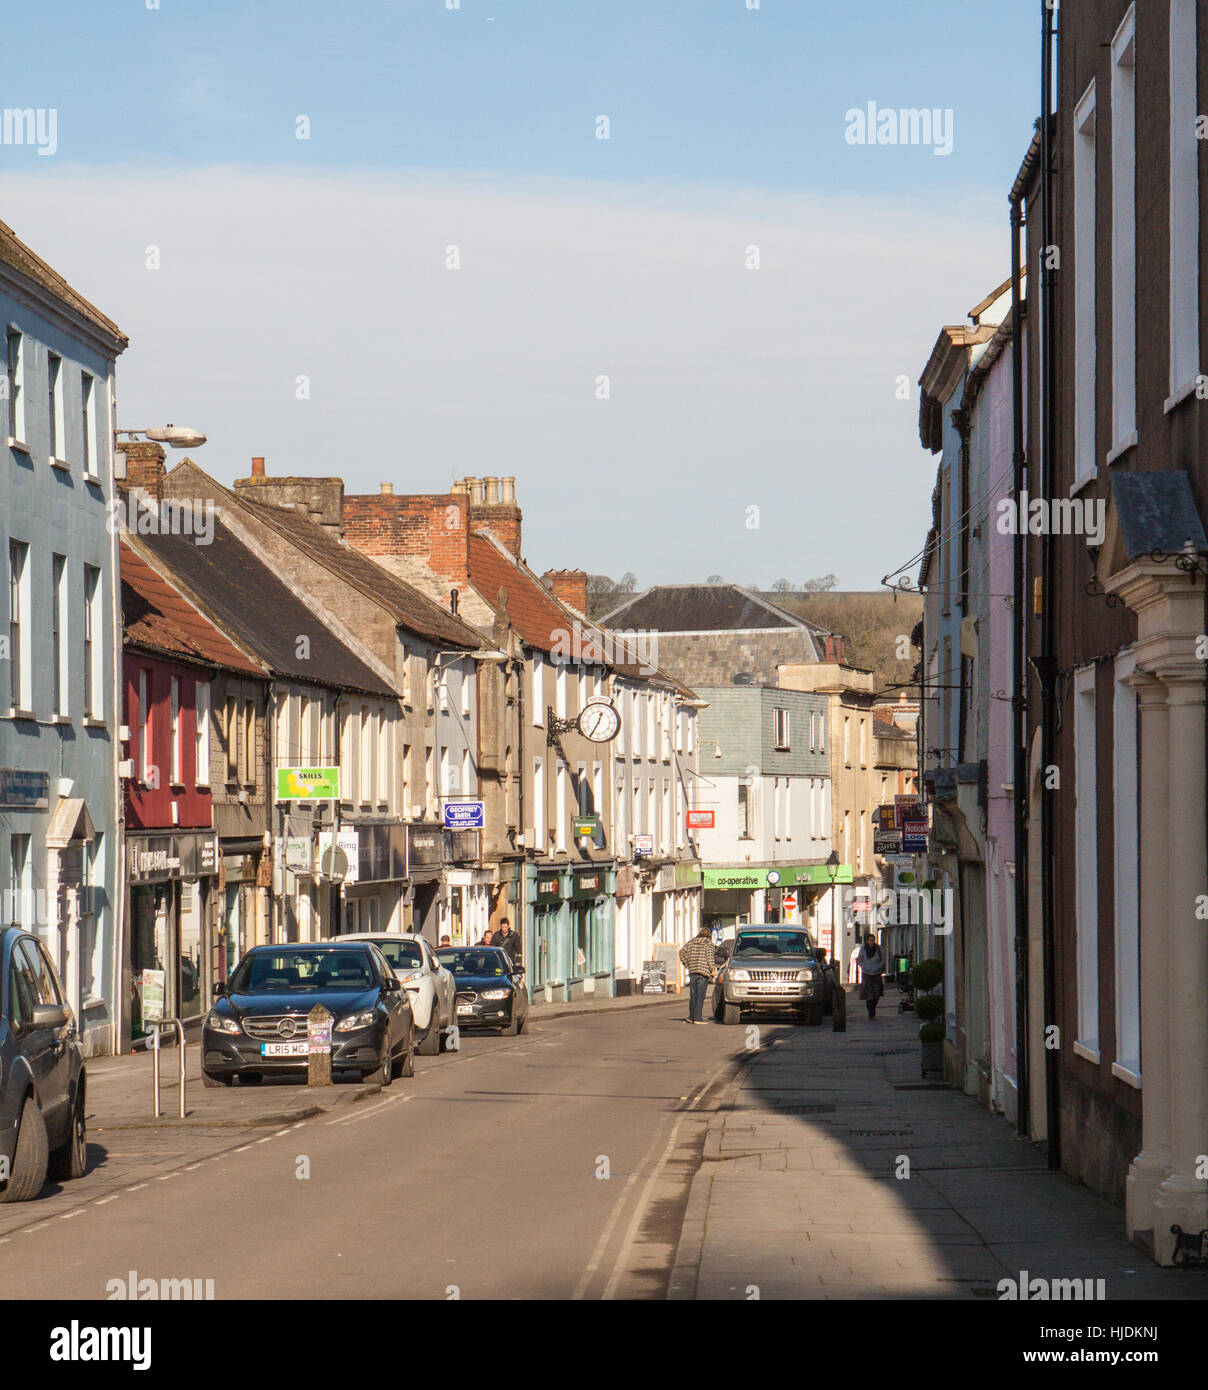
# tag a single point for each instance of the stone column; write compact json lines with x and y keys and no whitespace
{"x":1183,"y":1198}
{"x":1152,"y":1165}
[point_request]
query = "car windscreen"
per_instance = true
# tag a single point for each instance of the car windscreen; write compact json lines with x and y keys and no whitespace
{"x":773,"y":943}
{"x":466,"y":961}
{"x":404,"y":955}
{"x":302,"y":972}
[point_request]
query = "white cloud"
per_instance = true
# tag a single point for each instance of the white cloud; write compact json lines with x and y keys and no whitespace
{"x":730,"y":387}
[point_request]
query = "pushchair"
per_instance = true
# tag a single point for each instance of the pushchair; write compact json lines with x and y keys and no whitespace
{"x":905,"y":986}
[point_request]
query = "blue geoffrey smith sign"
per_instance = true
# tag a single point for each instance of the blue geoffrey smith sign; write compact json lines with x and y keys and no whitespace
{"x":463,"y":815}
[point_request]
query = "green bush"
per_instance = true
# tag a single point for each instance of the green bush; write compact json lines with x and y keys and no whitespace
{"x":931,"y":1032}
{"x":927,"y":974}
{"x":929,"y":1006}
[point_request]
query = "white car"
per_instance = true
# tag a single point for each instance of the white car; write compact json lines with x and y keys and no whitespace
{"x":429,"y":986}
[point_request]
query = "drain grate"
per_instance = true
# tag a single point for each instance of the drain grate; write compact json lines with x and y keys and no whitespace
{"x":880,"y":1134}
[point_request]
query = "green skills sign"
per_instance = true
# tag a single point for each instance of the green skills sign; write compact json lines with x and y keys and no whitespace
{"x":308,"y":784}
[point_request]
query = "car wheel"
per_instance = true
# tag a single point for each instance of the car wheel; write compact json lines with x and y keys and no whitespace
{"x":730,"y":1013}
{"x":429,"y":1043}
{"x":513,"y":1027}
{"x":522,"y":1025}
{"x":70,"y":1159}
{"x":30,"y":1158}
{"x":407,"y":1066}
{"x":212,"y":1083}
{"x":384,"y":1073}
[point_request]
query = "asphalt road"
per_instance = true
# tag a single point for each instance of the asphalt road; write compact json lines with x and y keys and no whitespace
{"x":554,"y":1165}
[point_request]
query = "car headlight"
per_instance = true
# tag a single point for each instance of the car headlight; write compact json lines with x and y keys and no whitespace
{"x":805,"y":975}
{"x":222,"y":1023}
{"x":740,"y":974}
{"x":494,"y":994}
{"x":412,"y":977}
{"x":354,"y":1021}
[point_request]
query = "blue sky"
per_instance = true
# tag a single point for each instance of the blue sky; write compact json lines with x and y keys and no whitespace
{"x":177,"y":128}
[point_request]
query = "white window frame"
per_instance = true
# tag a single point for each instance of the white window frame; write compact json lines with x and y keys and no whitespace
{"x":1127,"y":894}
{"x":20,"y":640}
{"x":174,"y":745}
{"x":1184,"y":203}
{"x":781,"y":730}
{"x":384,"y":760}
{"x":539,"y":806}
{"x":365,"y":760}
{"x":88,"y":400}
{"x":60,"y":578}
{"x":562,"y":808}
{"x":1086,"y":457}
{"x":94,"y":632}
{"x":201,"y":733}
{"x":144,"y":727}
{"x":1086,"y":865}
{"x":560,"y":685}
{"x":1124,"y":236}
{"x":537,"y":701}
{"x":56,"y":417}
{"x":15,"y":368}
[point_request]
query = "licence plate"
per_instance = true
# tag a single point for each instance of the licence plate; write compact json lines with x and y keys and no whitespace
{"x":465,"y":1008}
{"x":289,"y":1049}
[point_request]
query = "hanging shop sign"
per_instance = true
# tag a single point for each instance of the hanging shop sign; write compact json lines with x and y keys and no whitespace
{"x":586,"y":825}
{"x":914,"y":837}
{"x":308,"y":784}
{"x":905,"y":808}
{"x":464,"y":815}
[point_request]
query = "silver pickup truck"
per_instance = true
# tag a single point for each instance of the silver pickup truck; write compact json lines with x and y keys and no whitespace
{"x":774,"y":969}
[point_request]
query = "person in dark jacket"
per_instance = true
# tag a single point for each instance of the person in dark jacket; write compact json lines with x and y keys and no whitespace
{"x":872,"y":974}
{"x":486,"y":938}
{"x":509,"y":940}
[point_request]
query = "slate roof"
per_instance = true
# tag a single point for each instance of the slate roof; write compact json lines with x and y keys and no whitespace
{"x":701,"y":608}
{"x":409,"y":608}
{"x":157,"y":617}
{"x":15,"y":253}
{"x":245,"y":598}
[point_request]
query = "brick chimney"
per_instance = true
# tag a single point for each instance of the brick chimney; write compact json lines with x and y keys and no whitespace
{"x":144,"y":467}
{"x":433,"y":529}
{"x":321,"y":499}
{"x":568,"y":585}
{"x":493,"y":504}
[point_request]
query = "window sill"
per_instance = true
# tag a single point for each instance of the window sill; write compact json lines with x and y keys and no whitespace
{"x":90,"y":721}
{"x":1180,"y":395}
{"x":60,"y":718}
{"x":1088,"y":1053}
{"x":1127,"y":1075}
{"x":1128,"y":442}
{"x":94,"y":478}
{"x":21,"y":448}
{"x":61,"y":464}
{"x":15,"y":712}
{"x":1083,"y":481}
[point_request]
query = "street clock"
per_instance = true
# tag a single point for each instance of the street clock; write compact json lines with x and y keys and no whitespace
{"x":599,"y":721}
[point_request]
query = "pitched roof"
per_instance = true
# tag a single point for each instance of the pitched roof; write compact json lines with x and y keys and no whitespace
{"x":409,"y":608}
{"x":702,"y":608}
{"x":15,"y":253}
{"x":157,"y":617}
{"x":243,"y":596}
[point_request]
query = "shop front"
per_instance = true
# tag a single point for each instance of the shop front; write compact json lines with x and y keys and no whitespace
{"x":425,"y":875}
{"x":801,"y":894}
{"x":591,"y":922}
{"x":374,"y":865}
{"x":171,"y":970}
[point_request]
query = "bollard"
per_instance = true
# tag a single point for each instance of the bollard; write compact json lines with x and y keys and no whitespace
{"x":318,"y":1051}
{"x":839,"y":1007}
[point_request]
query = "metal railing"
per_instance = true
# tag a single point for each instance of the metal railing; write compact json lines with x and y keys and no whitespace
{"x":157,"y":1025}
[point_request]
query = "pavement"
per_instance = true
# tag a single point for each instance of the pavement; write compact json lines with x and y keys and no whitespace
{"x":832,"y":1170}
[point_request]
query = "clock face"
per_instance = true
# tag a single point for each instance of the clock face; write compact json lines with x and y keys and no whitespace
{"x":600,"y":722}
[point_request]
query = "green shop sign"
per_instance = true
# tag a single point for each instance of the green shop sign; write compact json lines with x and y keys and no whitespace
{"x":308,"y":784}
{"x":782,"y":876}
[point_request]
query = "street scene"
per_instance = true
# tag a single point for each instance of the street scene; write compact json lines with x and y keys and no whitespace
{"x":605,"y":638}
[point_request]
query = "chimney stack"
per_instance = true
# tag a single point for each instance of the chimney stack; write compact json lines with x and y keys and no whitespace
{"x":257,"y":467}
{"x":144,"y":467}
{"x":387,"y":489}
{"x":568,"y":585}
{"x":491,"y":485}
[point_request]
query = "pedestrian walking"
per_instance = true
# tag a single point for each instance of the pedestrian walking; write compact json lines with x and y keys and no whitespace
{"x":444,"y":941}
{"x":697,"y":958}
{"x":872,"y":974}
{"x":509,"y":940}
{"x":486,"y":938}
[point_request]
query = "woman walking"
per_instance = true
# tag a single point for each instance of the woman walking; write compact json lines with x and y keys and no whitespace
{"x":872,"y":974}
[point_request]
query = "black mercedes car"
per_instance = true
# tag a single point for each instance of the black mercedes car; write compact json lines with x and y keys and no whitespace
{"x":257,"y":1027}
{"x":490,"y":988}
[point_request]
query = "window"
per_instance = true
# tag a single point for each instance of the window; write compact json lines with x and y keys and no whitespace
{"x":58,"y":622}
{"x":744,"y":811}
{"x":230,"y":736}
{"x":383,"y":760}
{"x":174,"y":731}
{"x":247,"y":744}
{"x":847,"y":740}
{"x":787,"y":819}
{"x":537,"y":673}
{"x":93,"y":685}
{"x":54,"y":404}
{"x":1086,"y":863}
{"x":781,"y":721}
{"x":776,"y":808}
{"x":597,"y":788}
{"x":466,"y":678}
{"x":539,"y":834}
{"x":88,"y":423}
{"x":561,"y":808}
{"x":430,"y":778}
{"x":1086,"y":458}
{"x":20,"y":904}
{"x":365,"y":770}
{"x":144,"y":729}
{"x":648,"y":703}
{"x":201,"y":734}
{"x":561,"y":695}
{"x":863,"y":742}
{"x":1127,"y":872}
{"x":16,"y":385}
{"x":20,"y":676}
{"x":1124,"y":236}
{"x":1184,"y":200}
{"x":405,"y":660}
{"x":406,"y":780}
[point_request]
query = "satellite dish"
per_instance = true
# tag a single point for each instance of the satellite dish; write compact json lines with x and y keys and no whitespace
{"x":333,"y":863}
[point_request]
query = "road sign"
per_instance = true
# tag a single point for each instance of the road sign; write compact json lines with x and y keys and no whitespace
{"x":464,"y":815}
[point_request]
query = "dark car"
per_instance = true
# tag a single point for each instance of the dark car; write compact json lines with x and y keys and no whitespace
{"x":490,"y":988}
{"x":257,"y":1027}
{"x":42,"y":1079}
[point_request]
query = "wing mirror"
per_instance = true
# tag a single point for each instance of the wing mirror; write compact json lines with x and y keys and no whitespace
{"x":48,"y":1016}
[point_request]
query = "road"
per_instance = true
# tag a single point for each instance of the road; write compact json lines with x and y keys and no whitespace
{"x":555,"y":1165}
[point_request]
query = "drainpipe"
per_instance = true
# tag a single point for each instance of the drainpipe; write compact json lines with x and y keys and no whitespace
{"x":1048,"y":626}
{"x":1019,"y":717}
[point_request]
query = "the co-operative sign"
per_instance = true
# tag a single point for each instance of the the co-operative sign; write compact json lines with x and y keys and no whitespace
{"x":463,"y":815}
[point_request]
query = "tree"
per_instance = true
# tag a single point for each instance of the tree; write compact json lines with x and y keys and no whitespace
{"x":820,"y":586}
{"x":783,"y":586}
{"x":715,"y":579}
